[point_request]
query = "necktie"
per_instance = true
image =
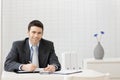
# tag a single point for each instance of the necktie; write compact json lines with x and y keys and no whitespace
{"x":35,"y":56}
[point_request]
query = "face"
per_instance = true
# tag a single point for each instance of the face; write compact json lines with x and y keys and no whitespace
{"x":35,"y":34}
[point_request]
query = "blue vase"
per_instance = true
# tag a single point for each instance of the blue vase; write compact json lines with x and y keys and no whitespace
{"x":98,"y":51}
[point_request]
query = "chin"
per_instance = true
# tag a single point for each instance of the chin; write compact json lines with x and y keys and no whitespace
{"x":36,"y":43}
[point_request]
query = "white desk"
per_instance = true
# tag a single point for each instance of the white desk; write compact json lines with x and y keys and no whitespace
{"x":85,"y":75}
{"x":107,"y":65}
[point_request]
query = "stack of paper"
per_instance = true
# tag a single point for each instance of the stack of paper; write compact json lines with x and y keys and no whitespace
{"x":66,"y":72}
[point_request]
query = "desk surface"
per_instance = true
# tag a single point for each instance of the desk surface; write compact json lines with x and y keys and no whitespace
{"x":36,"y":76}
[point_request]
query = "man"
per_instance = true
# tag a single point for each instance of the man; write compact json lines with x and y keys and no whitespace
{"x":21,"y":54}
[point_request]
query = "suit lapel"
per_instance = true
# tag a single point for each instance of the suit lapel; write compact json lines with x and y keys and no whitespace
{"x":41,"y":48}
{"x":41,"y":55}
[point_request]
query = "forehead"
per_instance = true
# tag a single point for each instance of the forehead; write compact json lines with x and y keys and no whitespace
{"x":35,"y":28}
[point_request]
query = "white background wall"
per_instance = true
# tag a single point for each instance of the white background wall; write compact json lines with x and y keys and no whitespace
{"x":0,"y":40}
{"x":70,"y":24}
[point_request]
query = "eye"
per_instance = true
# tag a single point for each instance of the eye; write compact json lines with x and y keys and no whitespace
{"x":33,"y":32}
{"x":39,"y":32}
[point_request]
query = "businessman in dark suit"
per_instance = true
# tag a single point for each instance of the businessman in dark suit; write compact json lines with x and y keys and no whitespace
{"x":20,"y":55}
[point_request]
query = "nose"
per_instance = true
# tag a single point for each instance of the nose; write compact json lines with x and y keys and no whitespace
{"x":36,"y":35}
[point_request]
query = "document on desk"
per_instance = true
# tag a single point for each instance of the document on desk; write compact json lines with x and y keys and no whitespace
{"x":37,"y":70}
{"x":66,"y":72}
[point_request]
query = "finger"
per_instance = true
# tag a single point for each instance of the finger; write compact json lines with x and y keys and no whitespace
{"x":50,"y":68}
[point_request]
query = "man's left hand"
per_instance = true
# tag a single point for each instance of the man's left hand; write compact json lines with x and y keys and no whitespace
{"x":50,"y":68}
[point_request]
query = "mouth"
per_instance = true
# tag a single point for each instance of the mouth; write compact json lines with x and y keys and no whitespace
{"x":35,"y":39}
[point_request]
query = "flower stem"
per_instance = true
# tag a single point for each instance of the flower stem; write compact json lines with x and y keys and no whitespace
{"x":97,"y":39}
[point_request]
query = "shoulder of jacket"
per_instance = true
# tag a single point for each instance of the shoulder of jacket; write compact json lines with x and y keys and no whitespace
{"x":45,"y":40}
{"x":20,"y":41}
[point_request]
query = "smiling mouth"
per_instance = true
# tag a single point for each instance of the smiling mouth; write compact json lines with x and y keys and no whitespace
{"x":35,"y":39}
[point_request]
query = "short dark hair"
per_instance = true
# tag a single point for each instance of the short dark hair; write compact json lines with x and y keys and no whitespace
{"x":35,"y":23}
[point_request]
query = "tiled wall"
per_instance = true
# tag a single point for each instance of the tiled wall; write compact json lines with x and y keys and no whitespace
{"x":70,"y":24}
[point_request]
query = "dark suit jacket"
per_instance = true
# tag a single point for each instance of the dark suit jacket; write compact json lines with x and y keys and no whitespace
{"x":20,"y":54}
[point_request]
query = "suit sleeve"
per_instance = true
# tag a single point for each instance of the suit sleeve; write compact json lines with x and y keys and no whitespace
{"x":11,"y":63}
{"x":53,"y":59}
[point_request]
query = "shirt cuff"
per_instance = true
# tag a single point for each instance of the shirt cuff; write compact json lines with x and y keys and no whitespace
{"x":20,"y":67}
{"x":56,"y":67}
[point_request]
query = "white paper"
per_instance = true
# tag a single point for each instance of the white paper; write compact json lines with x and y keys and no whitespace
{"x":37,"y":70}
{"x":66,"y":72}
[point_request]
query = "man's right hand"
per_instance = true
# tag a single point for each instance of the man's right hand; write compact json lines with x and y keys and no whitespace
{"x":28,"y":67}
